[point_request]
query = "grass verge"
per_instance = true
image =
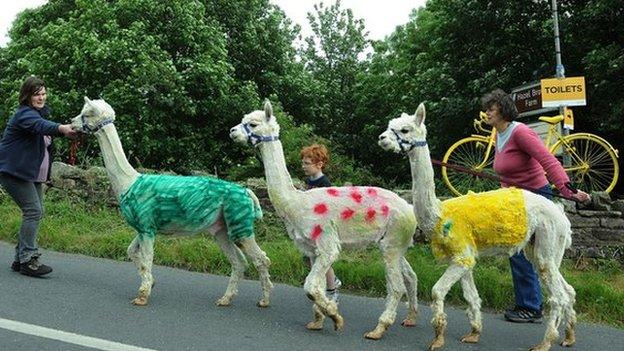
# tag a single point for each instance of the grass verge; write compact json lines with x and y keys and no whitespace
{"x":101,"y":232}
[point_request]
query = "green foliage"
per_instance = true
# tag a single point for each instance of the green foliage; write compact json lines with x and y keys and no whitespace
{"x":332,"y":58}
{"x":184,"y":72}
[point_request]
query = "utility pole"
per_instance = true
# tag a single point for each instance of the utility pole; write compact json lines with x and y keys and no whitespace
{"x":559,"y":69}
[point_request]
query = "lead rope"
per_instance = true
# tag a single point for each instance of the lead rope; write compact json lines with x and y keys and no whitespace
{"x":501,"y":180}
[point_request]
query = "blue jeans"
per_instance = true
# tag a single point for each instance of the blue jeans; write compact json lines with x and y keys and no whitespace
{"x":29,"y":198}
{"x":527,"y":288}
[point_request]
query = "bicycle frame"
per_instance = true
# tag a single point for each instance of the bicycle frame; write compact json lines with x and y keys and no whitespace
{"x":490,"y":139}
{"x":580,"y":149}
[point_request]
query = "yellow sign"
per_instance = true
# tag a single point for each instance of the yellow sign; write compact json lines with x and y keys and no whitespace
{"x":568,"y":119}
{"x":563,"y":92}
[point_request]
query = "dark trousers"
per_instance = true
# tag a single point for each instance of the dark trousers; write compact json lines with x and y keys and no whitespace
{"x":527,"y":288}
{"x":29,"y":198}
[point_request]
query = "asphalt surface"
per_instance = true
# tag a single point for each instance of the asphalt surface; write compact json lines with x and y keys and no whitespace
{"x":91,"y":297}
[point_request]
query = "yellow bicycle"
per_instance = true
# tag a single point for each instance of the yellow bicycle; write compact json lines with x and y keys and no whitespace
{"x":593,"y":162}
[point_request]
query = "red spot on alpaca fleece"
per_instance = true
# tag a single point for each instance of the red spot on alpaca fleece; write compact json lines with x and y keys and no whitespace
{"x":371,"y":192}
{"x":370,"y":214}
{"x":346,"y":214}
{"x":320,"y":209}
{"x":333,"y":192}
{"x":316,"y":232}
{"x":385,"y":210}
{"x":356,"y":196}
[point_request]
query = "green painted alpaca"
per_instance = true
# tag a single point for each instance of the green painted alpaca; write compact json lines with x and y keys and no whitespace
{"x":176,"y":204}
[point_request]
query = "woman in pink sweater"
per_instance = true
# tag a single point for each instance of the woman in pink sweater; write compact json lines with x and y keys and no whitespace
{"x":522,"y":159}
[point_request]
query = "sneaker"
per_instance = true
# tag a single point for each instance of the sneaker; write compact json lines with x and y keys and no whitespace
{"x":523,"y":315}
{"x":15,"y":266}
{"x":34,"y":269}
{"x":332,"y":294}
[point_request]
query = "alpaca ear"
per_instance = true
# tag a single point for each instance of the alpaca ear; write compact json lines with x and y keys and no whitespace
{"x":268,"y":109}
{"x":86,"y":100}
{"x":420,"y":114}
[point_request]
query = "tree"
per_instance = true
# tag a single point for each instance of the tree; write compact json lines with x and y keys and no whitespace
{"x":332,"y":57}
{"x":165,"y":71}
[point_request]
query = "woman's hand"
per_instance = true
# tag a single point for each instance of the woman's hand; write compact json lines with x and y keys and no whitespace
{"x":68,"y":131}
{"x":581,"y":196}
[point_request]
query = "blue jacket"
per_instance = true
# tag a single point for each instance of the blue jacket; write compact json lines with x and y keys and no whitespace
{"x":22,"y":147}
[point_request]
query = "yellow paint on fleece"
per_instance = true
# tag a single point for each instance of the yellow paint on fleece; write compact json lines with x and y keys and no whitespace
{"x":477,"y":221}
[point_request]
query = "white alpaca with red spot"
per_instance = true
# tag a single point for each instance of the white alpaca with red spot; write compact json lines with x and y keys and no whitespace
{"x":322,"y":221}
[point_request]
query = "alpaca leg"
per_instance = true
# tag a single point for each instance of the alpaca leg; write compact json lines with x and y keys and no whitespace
{"x":471,"y":295}
{"x":237,"y":262}
{"x":411,"y":283}
{"x":315,"y":287}
{"x":452,"y":274}
{"x":570,"y":314}
{"x":262,"y":263}
{"x":133,"y":251}
{"x":395,"y":290}
{"x":319,"y":319}
{"x":557,"y":298}
{"x":145,"y":254}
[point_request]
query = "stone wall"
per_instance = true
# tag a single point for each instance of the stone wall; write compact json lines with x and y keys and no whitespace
{"x":598,"y":230}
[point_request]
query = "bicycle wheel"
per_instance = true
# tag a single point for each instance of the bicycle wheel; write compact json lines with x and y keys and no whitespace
{"x":593,"y":164}
{"x":469,"y":153}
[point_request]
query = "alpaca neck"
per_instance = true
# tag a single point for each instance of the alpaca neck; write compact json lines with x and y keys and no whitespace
{"x":119,"y":170}
{"x":279,"y":184}
{"x":426,"y":204}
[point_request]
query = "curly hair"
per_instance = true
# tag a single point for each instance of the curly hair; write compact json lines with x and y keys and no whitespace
{"x":316,"y":152}
{"x":505,"y":104}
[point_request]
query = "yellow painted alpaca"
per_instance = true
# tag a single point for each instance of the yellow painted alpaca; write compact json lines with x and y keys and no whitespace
{"x":499,"y":222}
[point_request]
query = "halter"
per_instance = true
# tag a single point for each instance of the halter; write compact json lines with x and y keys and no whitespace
{"x":412,"y":144}
{"x":87,"y":129}
{"x":254,"y":138}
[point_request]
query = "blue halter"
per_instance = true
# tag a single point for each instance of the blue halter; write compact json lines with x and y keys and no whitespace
{"x":87,"y":129}
{"x":254,"y":138}
{"x":412,"y":144}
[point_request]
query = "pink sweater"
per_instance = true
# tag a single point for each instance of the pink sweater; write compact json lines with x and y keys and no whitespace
{"x":523,"y":160}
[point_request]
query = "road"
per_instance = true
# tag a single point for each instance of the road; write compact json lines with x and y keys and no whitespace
{"x":85,"y":305}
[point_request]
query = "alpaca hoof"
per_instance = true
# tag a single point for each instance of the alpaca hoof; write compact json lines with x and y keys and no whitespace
{"x":567,"y":343}
{"x":408,"y":323}
{"x":315,"y":325}
{"x":140,"y":301}
{"x":436,"y":344}
{"x":224,"y":301}
{"x":338,"y":322}
{"x":263,"y":303}
{"x":540,"y":347}
{"x":471,"y":338}
{"x":373,"y":335}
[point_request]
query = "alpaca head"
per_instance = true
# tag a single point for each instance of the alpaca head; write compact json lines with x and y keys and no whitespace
{"x":256,"y":127}
{"x":95,"y":114}
{"x":405,"y":132}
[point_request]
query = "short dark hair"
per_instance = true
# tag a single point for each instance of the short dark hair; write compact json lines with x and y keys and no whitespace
{"x":31,"y":86}
{"x":506,"y":105}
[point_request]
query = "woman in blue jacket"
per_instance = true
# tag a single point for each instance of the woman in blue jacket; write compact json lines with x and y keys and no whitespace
{"x":25,"y":160}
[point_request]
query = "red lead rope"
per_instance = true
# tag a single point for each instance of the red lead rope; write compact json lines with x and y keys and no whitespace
{"x":498,"y":179}
{"x":73,"y":150}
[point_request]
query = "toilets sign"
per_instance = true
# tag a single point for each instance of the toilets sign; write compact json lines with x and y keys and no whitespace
{"x":563,"y":92}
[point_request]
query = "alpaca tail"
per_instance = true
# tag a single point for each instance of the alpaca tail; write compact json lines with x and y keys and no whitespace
{"x":256,"y":204}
